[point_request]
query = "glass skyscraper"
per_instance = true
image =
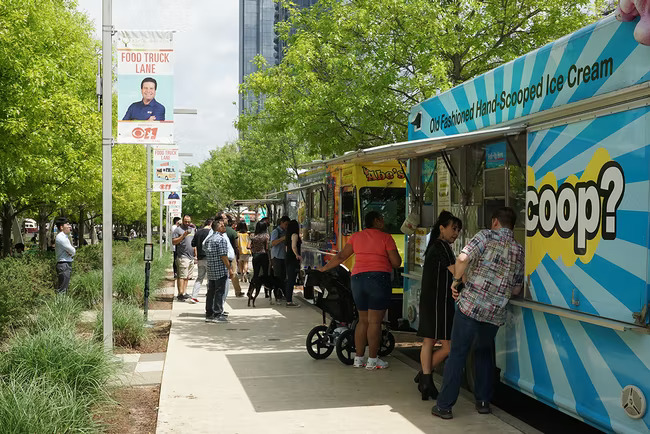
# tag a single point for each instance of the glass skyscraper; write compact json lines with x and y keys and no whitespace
{"x":257,"y":19}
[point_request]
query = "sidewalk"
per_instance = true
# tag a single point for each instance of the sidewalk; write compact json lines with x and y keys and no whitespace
{"x":254,"y":375}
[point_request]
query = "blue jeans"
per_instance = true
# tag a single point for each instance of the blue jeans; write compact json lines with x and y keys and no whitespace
{"x":214,"y":297}
{"x":463,"y":333}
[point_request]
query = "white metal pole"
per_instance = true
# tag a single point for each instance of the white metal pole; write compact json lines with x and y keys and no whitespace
{"x":160,"y":227}
{"x":149,"y":193}
{"x":107,"y":169}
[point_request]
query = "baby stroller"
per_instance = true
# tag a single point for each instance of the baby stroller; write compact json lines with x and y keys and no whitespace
{"x":334,"y":296}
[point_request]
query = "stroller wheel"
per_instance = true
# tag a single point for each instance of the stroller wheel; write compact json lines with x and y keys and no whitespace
{"x":345,"y":347}
{"x":318,"y":345}
{"x":387,"y":343}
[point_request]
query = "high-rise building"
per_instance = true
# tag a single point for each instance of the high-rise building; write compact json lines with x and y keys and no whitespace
{"x":257,"y":19}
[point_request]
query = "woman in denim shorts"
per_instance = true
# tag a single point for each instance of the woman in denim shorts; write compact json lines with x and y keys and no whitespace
{"x":376,"y":256}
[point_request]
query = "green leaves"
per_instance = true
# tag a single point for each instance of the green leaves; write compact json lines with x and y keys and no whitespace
{"x":353,"y":69}
{"x":49,"y":126}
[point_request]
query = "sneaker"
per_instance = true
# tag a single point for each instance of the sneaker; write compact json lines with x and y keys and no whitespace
{"x":292,"y":304}
{"x":359,"y":362}
{"x":483,"y":407}
{"x":192,"y":300}
{"x":209,"y":319}
{"x":441,"y":412}
{"x":180,"y":298}
{"x":187,"y":296}
{"x":221,"y":318}
{"x":376,"y":363}
{"x":224,"y":313}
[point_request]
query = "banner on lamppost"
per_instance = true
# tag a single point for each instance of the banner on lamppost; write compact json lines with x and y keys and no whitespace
{"x":166,"y":170}
{"x":174,"y":211}
{"x":172,"y":199}
{"x":145,"y":87}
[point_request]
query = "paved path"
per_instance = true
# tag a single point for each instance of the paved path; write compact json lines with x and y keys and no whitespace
{"x":253,"y":375}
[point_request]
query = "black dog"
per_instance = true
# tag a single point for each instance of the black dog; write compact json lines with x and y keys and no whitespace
{"x":272,"y":284}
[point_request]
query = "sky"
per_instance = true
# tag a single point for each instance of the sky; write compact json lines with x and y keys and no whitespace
{"x":206,"y":46}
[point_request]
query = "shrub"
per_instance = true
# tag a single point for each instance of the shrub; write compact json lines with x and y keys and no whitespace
{"x":128,"y":325}
{"x":128,"y":283}
{"x":24,"y":282}
{"x":159,"y":271}
{"x":63,"y":358}
{"x":89,"y":257}
{"x":58,"y":312}
{"x":36,"y":405}
{"x":86,"y":287}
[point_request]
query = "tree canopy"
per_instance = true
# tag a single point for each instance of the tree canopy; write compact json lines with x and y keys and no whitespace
{"x":353,"y":69}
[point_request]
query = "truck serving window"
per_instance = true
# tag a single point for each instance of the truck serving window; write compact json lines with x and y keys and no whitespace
{"x":390,"y":202}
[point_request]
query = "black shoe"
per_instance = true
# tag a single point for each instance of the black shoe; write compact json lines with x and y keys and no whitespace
{"x":417,"y":377}
{"x":441,"y":413}
{"x":427,"y":388}
{"x":483,"y":407}
{"x":187,"y":296}
{"x":180,"y":298}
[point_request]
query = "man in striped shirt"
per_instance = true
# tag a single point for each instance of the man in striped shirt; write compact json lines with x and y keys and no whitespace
{"x":496,"y":273}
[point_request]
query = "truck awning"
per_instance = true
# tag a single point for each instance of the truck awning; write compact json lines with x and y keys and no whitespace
{"x":302,"y":187}
{"x":416,"y":148}
{"x":248,"y":202}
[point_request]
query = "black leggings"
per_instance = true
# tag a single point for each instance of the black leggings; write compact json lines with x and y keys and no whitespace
{"x":260,"y":268}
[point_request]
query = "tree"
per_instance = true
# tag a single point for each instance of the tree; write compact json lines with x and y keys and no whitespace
{"x":353,"y":69}
{"x":49,"y":126}
{"x":246,"y":169}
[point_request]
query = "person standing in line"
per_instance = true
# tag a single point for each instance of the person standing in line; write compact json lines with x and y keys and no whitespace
{"x":201,"y":261}
{"x":64,"y":254}
{"x":496,"y":274}
{"x":182,"y":239}
{"x":292,"y":259}
{"x":259,"y":247}
{"x":233,"y":238}
{"x":174,"y":226}
{"x":216,"y":249}
{"x":437,"y":306}
{"x":376,"y":257}
{"x":244,"y":250}
{"x":279,"y":251}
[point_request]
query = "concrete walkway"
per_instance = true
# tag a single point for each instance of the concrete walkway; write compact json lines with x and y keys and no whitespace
{"x":253,"y":375}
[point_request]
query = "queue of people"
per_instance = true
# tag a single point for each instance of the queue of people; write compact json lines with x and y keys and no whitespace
{"x":460,"y":306}
{"x":221,"y":250}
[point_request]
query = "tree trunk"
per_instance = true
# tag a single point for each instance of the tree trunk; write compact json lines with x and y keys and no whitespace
{"x":81,"y":227}
{"x":7,"y":220}
{"x":42,"y":228}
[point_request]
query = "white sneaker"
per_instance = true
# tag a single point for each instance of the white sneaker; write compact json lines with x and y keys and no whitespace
{"x":376,"y":363}
{"x":359,"y":362}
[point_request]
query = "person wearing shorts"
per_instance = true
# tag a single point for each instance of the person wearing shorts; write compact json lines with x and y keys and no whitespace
{"x":376,"y":256}
{"x":182,"y":239}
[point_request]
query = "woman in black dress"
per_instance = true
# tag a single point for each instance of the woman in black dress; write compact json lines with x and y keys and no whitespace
{"x":436,"y":303}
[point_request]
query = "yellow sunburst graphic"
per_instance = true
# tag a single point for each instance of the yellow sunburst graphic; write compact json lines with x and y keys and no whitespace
{"x":568,"y":221}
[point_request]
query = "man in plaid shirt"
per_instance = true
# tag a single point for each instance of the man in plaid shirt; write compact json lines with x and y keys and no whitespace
{"x":496,"y":273}
{"x":216,"y":251}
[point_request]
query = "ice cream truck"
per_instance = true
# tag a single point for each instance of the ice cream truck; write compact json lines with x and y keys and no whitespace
{"x":562,"y":135}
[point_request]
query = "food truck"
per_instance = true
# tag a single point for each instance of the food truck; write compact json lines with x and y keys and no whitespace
{"x":562,"y":135}
{"x":334,"y":199}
